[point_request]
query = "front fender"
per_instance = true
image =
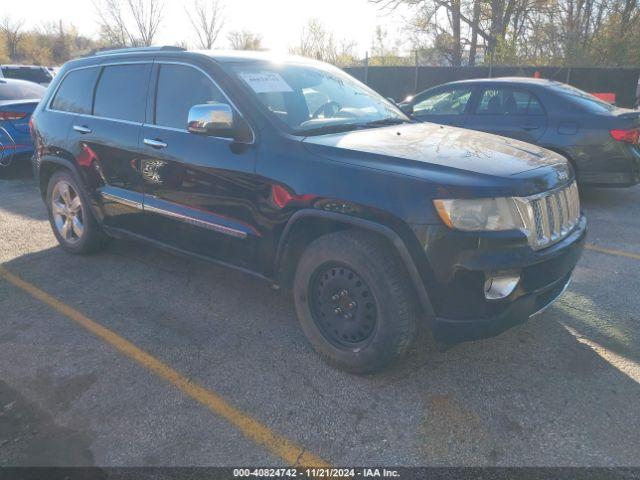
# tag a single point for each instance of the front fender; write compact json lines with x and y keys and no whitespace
{"x":393,"y":237}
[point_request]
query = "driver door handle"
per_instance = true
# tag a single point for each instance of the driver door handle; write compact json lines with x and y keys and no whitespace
{"x":83,"y":129}
{"x":157,"y":144}
{"x":529,"y":127}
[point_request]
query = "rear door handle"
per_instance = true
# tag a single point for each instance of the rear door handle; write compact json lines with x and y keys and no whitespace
{"x":529,"y":127}
{"x":155,"y":143}
{"x":83,"y":129}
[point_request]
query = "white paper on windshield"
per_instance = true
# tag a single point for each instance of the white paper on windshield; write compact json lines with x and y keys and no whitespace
{"x":266,"y":82}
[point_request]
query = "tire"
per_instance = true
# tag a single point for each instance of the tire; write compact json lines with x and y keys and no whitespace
{"x":83,"y":234}
{"x":374,"y":324}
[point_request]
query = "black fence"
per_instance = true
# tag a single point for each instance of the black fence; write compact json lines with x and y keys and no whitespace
{"x":400,"y":82}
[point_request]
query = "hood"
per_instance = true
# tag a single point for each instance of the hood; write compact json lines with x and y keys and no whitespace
{"x":421,"y":145}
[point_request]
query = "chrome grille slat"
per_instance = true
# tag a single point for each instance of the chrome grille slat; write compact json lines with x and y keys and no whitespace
{"x":554,"y":215}
{"x":537,"y":220}
{"x":551,"y":216}
{"x":545,"y":219}
{"x":561,"y":224}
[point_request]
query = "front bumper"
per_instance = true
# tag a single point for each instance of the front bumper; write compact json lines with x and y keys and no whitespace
{"x":519,"y":311}
{"x":461,"y":310}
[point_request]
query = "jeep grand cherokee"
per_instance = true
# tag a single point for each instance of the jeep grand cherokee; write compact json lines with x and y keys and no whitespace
{"x":291,"y":170}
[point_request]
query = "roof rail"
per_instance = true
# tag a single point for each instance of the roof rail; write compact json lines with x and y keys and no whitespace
{"x":114,"y":51}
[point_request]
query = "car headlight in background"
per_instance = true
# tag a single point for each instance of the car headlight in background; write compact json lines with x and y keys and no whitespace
{"x":480,"y":215}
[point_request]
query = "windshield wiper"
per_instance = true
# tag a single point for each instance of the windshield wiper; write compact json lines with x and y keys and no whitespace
{"x":386,"y":121}
{"x":327,"y":129}
{"x":348,"y":127}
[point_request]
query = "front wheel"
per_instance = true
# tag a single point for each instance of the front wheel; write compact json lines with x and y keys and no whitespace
{"x":355,"y":304}
{"x":70,"y":215}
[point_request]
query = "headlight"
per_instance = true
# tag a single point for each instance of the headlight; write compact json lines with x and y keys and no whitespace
{"x":478,"y":215}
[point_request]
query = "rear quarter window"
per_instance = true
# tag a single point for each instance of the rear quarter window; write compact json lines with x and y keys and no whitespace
{"x":76,"y":91}
{"x":121,"y":93}
{"x":583,"y":100}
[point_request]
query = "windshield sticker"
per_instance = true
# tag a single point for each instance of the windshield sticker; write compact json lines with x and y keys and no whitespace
{"x":266,"y":82}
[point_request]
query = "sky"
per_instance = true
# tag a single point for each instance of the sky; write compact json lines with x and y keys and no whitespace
{"x":278,"y":21}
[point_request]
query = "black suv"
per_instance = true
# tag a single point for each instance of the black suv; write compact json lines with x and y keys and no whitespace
{"x":291,"y":170}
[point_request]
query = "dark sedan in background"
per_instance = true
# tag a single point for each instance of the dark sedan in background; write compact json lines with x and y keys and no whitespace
{"x":18,"y":100}
{"x":601,"y":140}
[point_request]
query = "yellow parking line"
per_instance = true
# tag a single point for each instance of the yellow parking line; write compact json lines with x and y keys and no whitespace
{"x":288,"y":451}
{"x":611,"y":251}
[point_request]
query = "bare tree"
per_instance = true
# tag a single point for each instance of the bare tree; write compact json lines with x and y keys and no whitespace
{"x":206,"y":20}
{"x":61,"y":38}
{"x":12,"y":32}
{"x":383,"y":50}
{"x":128,"y":23}
{"x":148,"y":17}
{"x":319,"y":43}
{"x":468,"y":22}
{"x":245,"y":40}
{"x":113,"y":26}
{"x":315,"y":42}
{"x":473,"y":46}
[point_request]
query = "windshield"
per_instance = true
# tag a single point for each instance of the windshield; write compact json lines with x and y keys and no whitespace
{"x":20,"y":91}
{"x":587,"y":101}
{"x":316,"y":99}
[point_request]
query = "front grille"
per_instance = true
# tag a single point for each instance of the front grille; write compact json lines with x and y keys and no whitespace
{"x":551,"y":216}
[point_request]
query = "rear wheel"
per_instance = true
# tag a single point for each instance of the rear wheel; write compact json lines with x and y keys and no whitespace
{"x":354,"y":302}
{"x":70,"y":215}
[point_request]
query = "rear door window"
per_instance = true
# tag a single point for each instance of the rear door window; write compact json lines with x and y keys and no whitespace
{"x":508,"y":101}
{"x":76,"y":91}
{"x":121,"y":93}
{"x":180,"y":87}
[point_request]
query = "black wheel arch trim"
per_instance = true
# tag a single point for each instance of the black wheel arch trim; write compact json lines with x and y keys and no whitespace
{"x":388,"y":233}
{"x":69,"y":165}
{"x":63,"y":162}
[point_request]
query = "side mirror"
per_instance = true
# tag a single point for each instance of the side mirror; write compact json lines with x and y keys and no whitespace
{"x":211,"y":119}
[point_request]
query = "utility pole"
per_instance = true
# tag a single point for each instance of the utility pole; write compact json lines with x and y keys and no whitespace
{"x":366,"y":68}
{"x":415,"y":86}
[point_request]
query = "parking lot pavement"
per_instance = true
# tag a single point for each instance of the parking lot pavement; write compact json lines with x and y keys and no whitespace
{"x":562,"y":389}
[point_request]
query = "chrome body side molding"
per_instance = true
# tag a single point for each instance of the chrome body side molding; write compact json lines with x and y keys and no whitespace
{"x":198,"y":218}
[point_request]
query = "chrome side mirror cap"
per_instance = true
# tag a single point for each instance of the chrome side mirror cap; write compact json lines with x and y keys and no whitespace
{"x":212,"y":119}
